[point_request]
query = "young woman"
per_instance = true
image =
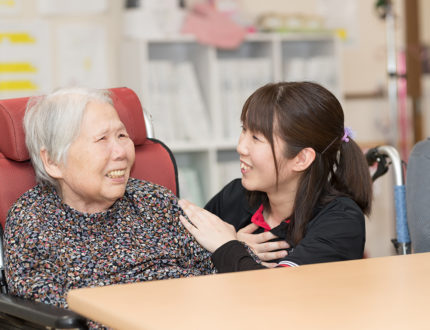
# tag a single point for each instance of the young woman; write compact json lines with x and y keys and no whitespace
{"x":304,"y":190}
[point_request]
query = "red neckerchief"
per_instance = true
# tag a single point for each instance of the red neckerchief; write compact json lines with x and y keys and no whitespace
{"x":258,"y":219}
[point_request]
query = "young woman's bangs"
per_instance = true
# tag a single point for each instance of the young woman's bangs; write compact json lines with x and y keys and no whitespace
{"x":257,"y":116}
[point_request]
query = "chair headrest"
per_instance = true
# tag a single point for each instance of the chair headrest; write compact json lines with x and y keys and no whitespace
{"x":12,"y":137}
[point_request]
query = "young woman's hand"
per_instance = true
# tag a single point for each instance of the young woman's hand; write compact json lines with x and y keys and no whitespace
{"x":210,"y":231}
{"x":260,"y":244}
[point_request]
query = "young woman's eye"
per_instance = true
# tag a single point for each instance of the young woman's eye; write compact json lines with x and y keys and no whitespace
{"x":256,"y":138}
{"x":243,"y":128}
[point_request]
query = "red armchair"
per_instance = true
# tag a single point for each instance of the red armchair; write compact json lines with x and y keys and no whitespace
{"x":154,"y":162}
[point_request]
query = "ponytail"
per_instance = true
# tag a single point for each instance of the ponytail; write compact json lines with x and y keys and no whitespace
{"x":352,"y":175}
{"x":349,"y":176}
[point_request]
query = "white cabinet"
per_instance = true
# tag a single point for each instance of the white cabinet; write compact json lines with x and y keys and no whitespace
{"x":195,"y":94}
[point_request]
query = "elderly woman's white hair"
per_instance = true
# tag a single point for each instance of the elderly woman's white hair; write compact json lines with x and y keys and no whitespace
{"x":53,"y":122}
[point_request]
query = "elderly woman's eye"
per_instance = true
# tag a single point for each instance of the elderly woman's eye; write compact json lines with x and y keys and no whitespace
{"x":123,"y":135}
{"x":101,"y":138}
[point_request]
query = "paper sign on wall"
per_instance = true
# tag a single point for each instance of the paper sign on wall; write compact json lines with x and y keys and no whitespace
{"x":25,"y":61}
{"x":10,"y":7}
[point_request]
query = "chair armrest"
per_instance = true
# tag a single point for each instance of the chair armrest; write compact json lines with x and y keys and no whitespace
{"x":40,"y":313}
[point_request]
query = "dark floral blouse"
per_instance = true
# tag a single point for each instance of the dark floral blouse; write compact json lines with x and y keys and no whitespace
{"x":51,"y":248}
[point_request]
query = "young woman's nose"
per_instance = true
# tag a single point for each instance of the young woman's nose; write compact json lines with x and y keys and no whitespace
{"x":242,"y":148}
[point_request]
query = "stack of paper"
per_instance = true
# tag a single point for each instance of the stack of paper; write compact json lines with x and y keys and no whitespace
{"x":239,"y":78}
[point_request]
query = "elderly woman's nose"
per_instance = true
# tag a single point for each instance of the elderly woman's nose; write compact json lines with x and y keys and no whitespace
{"x":119,"y":149}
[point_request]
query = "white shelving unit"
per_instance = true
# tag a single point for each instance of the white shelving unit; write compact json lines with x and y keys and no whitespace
{"x":195,"y":94}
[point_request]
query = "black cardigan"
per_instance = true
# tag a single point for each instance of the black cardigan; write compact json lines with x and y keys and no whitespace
{"x":335,"y":233}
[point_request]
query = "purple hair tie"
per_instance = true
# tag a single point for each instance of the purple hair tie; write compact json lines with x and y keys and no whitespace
{"x":348,"y":134}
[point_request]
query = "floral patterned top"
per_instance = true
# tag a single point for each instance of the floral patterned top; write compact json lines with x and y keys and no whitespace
{"x":51,"y":248}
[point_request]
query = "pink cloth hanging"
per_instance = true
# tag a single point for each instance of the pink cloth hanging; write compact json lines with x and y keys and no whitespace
{"x":212,"y":27}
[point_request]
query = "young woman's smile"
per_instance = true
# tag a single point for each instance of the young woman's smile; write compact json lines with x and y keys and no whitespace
{"x":244,"y":167}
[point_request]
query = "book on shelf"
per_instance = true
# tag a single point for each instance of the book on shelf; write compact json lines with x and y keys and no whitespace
{"x":230,"y":97}
{"x":190,"y":187}
{"x":228,"y":171}
{"x":320,"y":69}
{"x":295,"y":69}
{"x":189,"y":103}
{"x":158,"y":100}
{"x":176,"y":103}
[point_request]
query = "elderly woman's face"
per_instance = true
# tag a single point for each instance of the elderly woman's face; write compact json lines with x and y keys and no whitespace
{"x":98,"y":162}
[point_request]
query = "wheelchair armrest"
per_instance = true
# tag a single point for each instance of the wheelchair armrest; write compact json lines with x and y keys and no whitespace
{"x":40,"y":313}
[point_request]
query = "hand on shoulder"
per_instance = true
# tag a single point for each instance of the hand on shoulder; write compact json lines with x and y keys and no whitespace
{"x":209,"y":230}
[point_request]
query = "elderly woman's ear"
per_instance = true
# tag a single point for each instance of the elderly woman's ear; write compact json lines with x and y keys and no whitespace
{"x":51,"y":167}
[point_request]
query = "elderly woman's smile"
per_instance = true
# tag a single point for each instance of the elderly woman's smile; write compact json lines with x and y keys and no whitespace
{"x":116,"y":174}
{"x":98,"y":162}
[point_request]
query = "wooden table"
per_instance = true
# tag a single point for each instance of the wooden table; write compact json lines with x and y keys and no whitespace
{"x":379,"y":293}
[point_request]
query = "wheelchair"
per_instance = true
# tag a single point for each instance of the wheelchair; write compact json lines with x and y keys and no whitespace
{"x":411,"y":193}
{"x":154,"y":162}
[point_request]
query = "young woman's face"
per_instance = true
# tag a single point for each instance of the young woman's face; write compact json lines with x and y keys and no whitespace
{"x":257,"y":164}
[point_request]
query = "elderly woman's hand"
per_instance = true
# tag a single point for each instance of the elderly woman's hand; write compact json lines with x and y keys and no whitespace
{"x":210,"y":231}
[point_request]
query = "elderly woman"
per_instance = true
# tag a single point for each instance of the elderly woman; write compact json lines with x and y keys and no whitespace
{"x":87,"y":223}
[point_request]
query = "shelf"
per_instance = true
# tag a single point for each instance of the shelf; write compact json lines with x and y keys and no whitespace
{"x":202,"y":146}
{"x":195,"y":92}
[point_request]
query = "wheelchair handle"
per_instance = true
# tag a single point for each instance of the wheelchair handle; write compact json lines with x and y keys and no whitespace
{"x":392,"y":153}
{"x":402,"y":243}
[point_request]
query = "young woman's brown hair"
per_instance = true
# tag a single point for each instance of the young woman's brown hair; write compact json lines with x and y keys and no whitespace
{"x":306,"y":115}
